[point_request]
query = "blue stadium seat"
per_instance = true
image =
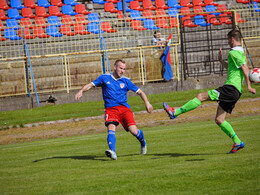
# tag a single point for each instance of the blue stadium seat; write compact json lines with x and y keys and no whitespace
{"x":99,"y":1}
{"x":54,"y":20}
{"x":53,"y":31}
{"x":12,"y":23}
{"x":67,"y":9}
{"x":148,"y":23}
{"x":93,"y":28}
{"x":135,"y":15}
{"x":93,"y":17}
{"x":16,"y":4}
{"x":211,"y":8}
{"x":173,"y":12}
{"x":199,"y":20}
{"x":70,"y":2}
{"x":255,"y":6}
{"x":120,"y":7}
{"x":11,"y":34}
{"x":44,"y":3}
{"x":174,"y":4}
{"x":14,"y":13}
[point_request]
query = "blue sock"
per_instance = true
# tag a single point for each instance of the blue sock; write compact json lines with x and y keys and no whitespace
{"x":140,"y":137}
{"x":111,"y":140}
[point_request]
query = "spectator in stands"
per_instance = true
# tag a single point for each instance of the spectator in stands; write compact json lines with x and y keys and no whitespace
{"x":114,"y":88}
{"x":157,"y":40}
{"x":228,"y":94}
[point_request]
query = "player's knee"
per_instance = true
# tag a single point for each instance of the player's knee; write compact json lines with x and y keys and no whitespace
{"x":218,"y":121}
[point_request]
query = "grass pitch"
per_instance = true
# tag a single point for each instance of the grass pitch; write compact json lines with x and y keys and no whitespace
{"x":182,"y":159}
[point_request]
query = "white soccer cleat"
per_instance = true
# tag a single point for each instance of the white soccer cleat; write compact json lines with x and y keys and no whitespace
{"x":143,"y":149}
{"x":111,"y":154}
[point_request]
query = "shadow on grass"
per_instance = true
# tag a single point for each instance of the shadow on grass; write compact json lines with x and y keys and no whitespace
{"x":86,"y":157}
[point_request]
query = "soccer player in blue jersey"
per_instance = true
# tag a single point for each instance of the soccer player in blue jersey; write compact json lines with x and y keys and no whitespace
{"x":114,"y":89}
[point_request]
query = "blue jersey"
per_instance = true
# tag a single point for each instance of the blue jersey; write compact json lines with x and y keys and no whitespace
{"x":115,"y":90}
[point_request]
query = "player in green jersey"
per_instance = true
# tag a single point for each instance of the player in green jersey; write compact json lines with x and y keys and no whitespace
{"x":228,"y":94}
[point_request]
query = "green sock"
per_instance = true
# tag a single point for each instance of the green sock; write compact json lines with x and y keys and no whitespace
{"x":227,"y":128}
{"x":190,"y":105}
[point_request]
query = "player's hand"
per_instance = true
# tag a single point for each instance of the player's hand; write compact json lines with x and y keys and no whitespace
{"x":252,"y":90}
{"x":149,"y":108}
{"x":78,"y":95}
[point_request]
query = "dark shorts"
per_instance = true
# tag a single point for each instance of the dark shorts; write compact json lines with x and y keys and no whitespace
{"x":227,"y":96}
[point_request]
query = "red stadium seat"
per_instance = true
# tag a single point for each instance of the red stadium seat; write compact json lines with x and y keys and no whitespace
{"x":81,"y":9}
{"x":66,"y":30}
{"x":110,"y":7}
{"x":40,"y":21}
{"x":210,"y":2}
{"x":198,"y":3}
{"x":113,"y":1}
{"x":57,"y":3}
{"x":186,"y":21}
{"x":25,"y":33}
{"x":212,"y":19}
{"x":160,"y":13}
{"x":136,"y":25}
{"x":39,"y":32}
{"x":160,"y":4}
{"x":67,"y":19}
{"x":148,"y":14}
{"x":2,"y":38}
{"x":41,"y":12}
{"x":224,"y":19}
{"x":173,"y":22}
{"x":162,"y":23}
{"x":186,"y":10}
{"x":80,"y":18}
{"x":2,"y":15}
{"x":29,"y":3}
{"x":147,"y":4}
{"x":80,"y":29}
{"x":238,"y":17}
{"x":54,"y":11}
{"x":135,"y":5}
{"x":120,"y":16}
{"x":106,"y":26}
{"x":186,"y":3}
{"x":4,"y":5}
{"x":1,"y":25}
{"x":27,"y":12}
{"x":199,"y":10}
{"x":26,"y":22}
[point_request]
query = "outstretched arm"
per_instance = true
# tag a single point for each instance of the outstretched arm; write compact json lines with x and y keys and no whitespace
{"x":85,"y":88}
{"x":148,"y":106}
{"x":224,"y":63}
{"x":246,"y":73}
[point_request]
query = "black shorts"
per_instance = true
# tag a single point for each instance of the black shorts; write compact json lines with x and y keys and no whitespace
{"x":228,"y":95}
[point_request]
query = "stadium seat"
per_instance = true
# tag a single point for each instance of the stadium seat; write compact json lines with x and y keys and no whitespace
{"x":99,"y":1}
{"x":160,"y":4}
{"x":70,"y":2}
{"x":53,"y":31}
{"x":39,"y":32}
{"x":162,"y":23}
{"x":2,"y":15}
{"x":67,"y":9}
{"x":80,"y":29}
{"x":54,"y":20}
{"x":93,"y":17}
{"x":54,"y":11}
{"x":4,"y":5}
{"x":198,"y":3}
{"x":1,"y":26}
{"x":67,"y":19}
{"x":148,"y":23}
{"x":174,"y":4}
{"x":57,"y":3}
{"x":211,"y":8}
{"x":27,"y":12}
{"x":120,"y":16}
{"x":136,"y":25}
{"x":81,"y":9}
{"x":25,"y":33}
{"x":29,"y":3}
{"x":173,"y":22}
{"x":110,"y":7}
{"x":210,"y":2}
{"x":224,"y":19}
{"x":80,"y":18}
{"x":187,"y":21}
{"x":147,"y":4}
{"x":212,"y":19}
{"x":244,"y":1}
{"x":2,"y":38}
{"x":44,"y":3}
{"x":199,"y":10}
{"x":16,"y":4}
{"x":11,"y":34}
{"x":66,"y":30}
{"x":255,"y":6}
{"x":41,"y":12}
{"x":113,"y":1}
{"x":222,"y":7}
{"x":93,"y":28}
{"x":26,"y":22}
{"x":186,"y":3}
{"x":186,"y":10}
{"x":148,"y":14}
{"x":135,"y":5}
{"x":14,"y":13}
{"x":135,"y":15}
{"x":173,"y":12}
{"x":12,"y":23}
{"x":258,"y":1}
{"x":106,"y":26}
{"x":160,"y":13}
{"x":238,"y":18}
{"x":120,"y":7}
{"x":199,"y":20}
{"x":40,"y":21}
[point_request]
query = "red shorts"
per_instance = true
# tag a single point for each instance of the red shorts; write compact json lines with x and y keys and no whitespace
{"x":119,"y":114}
